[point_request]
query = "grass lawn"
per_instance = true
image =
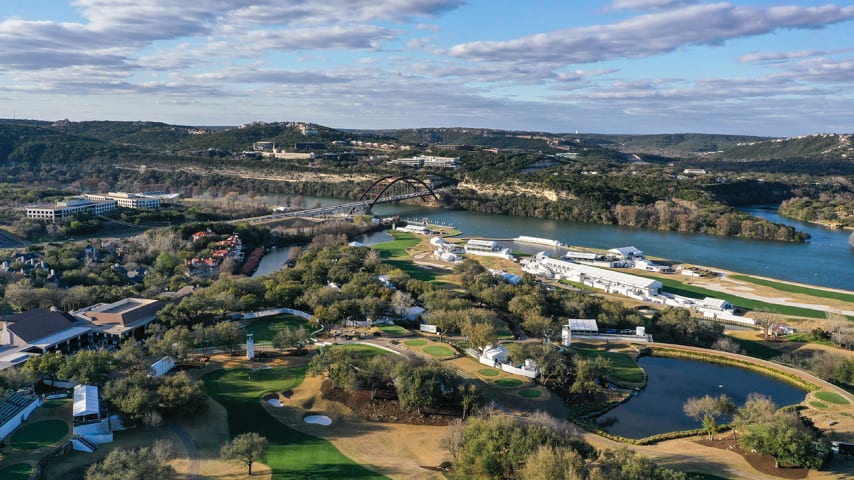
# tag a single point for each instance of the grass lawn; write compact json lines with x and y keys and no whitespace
{"x":819,"y":405}
{"x":439,"y":351}
{"x":393,"y":330}
{"x":704,"y":476}
{"x":679,"y":288}
{"x":397,"y":247}
{"x":788,"y":287}
{"x":757,"y":349}
{"x":508,"y":382}
{"x":530,"y":393}
{"x":623,"y":368}
{"x":415,"y":343}
{"x":39,"y":434}
{"x":367,"y":351}
{"x":18,"y":471}
{"x":488,"y":372}
{"x":831,"y":397}
{"x":265,"y":328}
{"x":291,"y":454}
{"x":805,"y":337}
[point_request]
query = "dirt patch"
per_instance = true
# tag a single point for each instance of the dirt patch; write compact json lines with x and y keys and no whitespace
{"x":762,"y":463}
{"x":384,"y":407}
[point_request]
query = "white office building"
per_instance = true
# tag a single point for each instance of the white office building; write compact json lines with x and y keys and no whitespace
{"x":68,"y":209}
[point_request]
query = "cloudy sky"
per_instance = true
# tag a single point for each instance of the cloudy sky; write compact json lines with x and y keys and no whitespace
{"x":777,"y":68}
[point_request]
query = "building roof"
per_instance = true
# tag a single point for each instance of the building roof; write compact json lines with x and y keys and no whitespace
{"x":627,"y":251}
{"x":38,"y":323}
{"x":127,"y":312}
{"x":85,"y":400}
{"x":581,"y":255}
{"x":59,"y":337}
{"x":482,"y":243}
{"x":583,"y":324}
{"x":715,"y":303}
{"x":607,"y":275}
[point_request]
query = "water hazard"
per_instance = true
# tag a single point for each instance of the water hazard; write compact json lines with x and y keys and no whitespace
{"x":670,"y":382}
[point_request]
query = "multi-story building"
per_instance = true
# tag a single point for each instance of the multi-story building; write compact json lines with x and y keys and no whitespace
{"x":67,"y":209}
{"x":127,"y":200}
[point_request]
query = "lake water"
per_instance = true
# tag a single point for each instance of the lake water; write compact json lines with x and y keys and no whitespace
{"x":670,"y":382}
{"x":826,"y":260}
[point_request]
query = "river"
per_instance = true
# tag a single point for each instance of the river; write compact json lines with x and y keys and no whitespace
{"x":826,"y":260}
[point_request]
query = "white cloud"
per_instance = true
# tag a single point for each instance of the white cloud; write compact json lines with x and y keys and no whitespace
{"x":647,"y":4}
{"x":651,"y":34}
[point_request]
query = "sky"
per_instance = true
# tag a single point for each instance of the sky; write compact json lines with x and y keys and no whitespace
{"x":753,"y":67}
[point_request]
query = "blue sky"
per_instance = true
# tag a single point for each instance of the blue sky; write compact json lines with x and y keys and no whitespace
{"x":776,"y":68}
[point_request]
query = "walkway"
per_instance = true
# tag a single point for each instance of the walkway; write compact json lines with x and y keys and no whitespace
{"x":192,"y":452}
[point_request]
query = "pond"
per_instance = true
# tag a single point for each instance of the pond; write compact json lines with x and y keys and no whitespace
{"x":670,"y":382}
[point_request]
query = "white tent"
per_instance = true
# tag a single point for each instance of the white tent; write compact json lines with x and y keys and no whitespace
{"x":85,"y":400}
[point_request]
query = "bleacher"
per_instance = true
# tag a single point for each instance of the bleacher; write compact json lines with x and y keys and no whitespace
{"x":13,"y":404}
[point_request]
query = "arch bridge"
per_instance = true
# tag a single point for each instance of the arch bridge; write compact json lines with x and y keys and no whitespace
{"x":395,"y":188}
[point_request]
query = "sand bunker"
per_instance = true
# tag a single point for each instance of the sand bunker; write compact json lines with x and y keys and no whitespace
{"x":274,"y":402}
{"x":318,"y":420}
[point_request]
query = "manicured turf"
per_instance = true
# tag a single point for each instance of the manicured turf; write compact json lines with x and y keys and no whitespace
{"x":367,"y":351}
{"x":623,"y":368}
{"x":393,"y":330}
{"x":415,"y":343}
{"x":291,"y":454}
{"x":394,"y":253}
{"x":18,"y":471}
{"x":805,"y":337}
{"x":831,"y":397}
{"x":438,"y":351}
{"x":530,"y":393}
{"x":56,"y":402}
{"x":704,"y":476}
{"x":397,"y":247}
{"x":264,"y":329}
{"x":39,"y":434}
{"x":508,"y":382}
{"x":819,"y":405}
{"x":679,"y":288}
{"x":488,"y":372}
{"x":788,"y":287}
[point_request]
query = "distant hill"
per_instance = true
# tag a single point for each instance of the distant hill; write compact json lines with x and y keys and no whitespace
{"x":29,"y":143}
{"x":679,"y":144}
{"x":145,"y":134}
{"x":829,"y":146}
{"x":482,"y":137}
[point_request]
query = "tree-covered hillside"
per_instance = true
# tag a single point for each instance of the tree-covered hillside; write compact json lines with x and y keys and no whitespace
{"x":676,"y":143}
{"x":821,"y":146}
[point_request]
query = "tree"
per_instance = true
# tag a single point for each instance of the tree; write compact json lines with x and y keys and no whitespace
{"x":179,"y":395}
{"x":472,"y":399}
{"x":291,"y":337}
{"x":624,"y":464}
{"x":709,"y":410}
{"x":123,"y":464}
{"x":480,"y":334}
{"x":425,"y":386}
{"x":46,"y":365}
{"x":550,"y":463}
{"x":89,"y":367}
{"x":244,"y":449}
{"x":792,"y":440}
{"x":134,"y":395}
{"x":226,"y":335}
{"x":16,"y":378}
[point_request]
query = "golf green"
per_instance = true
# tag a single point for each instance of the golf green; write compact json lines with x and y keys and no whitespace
{"x":508,"y":382}
{"x":488,"y":372}
{"x":393,"y":330}
{"x":415,"y":343}
{"x":18,"y":471}
{"x":530,"y":393}
{"x":39,"y":434}
{"x":291,"y":454}
{"x":439,"y":351}
{"x":831,"y":397}
{"x":819,"y":405}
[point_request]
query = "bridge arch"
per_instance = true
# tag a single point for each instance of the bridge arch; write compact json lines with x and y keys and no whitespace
{"x":375,"y":191}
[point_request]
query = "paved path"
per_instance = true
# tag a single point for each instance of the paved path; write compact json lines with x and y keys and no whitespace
{"x":192,"y":452}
